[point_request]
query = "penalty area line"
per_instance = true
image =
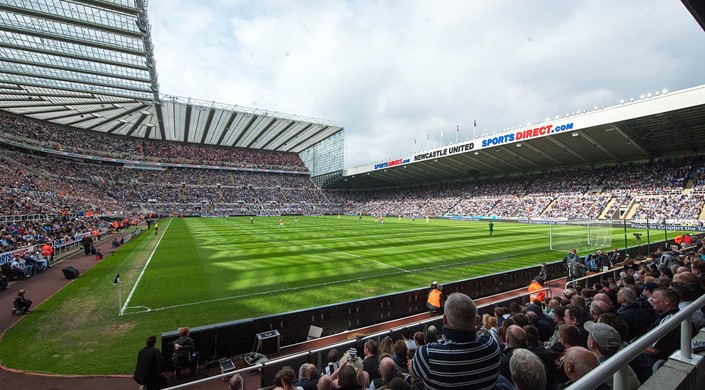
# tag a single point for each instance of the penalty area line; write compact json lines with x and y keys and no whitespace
{"x":137,"y":282}
{"x":282,"y":290}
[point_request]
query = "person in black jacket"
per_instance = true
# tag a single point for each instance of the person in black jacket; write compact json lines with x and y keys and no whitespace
{"x":150,"y":364}
{"x":184,"y":349}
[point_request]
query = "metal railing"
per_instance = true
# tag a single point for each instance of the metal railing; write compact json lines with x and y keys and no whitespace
{"x":618,"y":365}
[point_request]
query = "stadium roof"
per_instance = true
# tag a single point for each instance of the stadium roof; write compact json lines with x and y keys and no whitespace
{"x":652,"y":126}
{"x":89,"y":64}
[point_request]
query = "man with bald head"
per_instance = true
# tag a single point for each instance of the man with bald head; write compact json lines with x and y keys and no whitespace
{"x":309,"y":379}
{"x":387,"y":372}
{"x":515,"y":339}
{"x":597,"y":308}
{"x":462,"y":359}
{"x":579,"y":361}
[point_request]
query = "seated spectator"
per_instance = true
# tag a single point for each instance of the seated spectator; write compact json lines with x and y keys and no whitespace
{"x":236,"y":382}
{"x":604,"y":341}
{"x":527,"y":371}
{"x":387,"y":372}
{"x":400,"y":356}
{"x":370,"y":362}
{"x":308,"y":378}
{"x":21,"y":303}
{"x":665,"y":303}
{"x":579,"y":362}
{"x":18,"y":267}
{"x":515,"y":339}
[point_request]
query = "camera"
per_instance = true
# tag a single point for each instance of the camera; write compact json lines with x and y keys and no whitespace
{"x":637,"y":235}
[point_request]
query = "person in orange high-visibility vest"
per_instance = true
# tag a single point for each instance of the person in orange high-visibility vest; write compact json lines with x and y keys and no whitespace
{"x":536,"y":290}
{"x":434,"y":302}
{"x":48,"y":251}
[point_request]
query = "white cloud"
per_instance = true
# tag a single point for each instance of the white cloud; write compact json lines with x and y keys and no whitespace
{"x":395,"y":71}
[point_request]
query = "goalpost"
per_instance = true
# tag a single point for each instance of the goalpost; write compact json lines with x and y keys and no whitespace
{"x":583,"y":235}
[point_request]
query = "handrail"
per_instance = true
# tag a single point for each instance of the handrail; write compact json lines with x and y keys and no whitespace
{"x":599,"y":273}
{"x":617,"y":364}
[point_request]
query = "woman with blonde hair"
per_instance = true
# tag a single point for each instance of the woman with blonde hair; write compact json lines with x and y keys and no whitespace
{"x":385,"y":346}
{"x":490,"y":324}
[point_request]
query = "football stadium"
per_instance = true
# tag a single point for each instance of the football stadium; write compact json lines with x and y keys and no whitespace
{"x":238,"y":237}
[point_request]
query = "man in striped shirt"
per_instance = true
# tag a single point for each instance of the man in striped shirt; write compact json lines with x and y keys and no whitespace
{"x":462,"y":359}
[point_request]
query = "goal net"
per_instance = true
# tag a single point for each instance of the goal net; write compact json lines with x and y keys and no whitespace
{"x":584,"y":236}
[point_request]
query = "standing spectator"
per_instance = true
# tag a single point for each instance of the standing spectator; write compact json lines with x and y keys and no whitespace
{"x":184,"y":348}
{"x":569,"y":261}
{"x":150,"y":365}
{"x":462,"y":359}
{"x":48,"y":251}
{"x":87,"y":244}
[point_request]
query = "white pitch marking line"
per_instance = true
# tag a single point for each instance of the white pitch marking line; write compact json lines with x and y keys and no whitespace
{"x":134,"y":287}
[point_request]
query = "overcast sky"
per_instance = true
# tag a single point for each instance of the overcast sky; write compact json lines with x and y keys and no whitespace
{"x":396,"y":71}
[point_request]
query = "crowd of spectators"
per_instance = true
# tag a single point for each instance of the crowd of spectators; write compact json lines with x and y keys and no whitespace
{"x":545,"y":344}
{"x":668,"y":188}
{"x":664,"y":189}
{"x":55,"y":137}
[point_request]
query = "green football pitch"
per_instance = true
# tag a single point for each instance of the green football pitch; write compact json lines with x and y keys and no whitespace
{"x":200,"y":271}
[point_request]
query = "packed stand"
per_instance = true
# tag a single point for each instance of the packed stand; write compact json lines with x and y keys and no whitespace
{"x":54,"y":137}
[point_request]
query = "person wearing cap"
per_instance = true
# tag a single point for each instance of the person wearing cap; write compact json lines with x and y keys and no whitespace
{"x":604,"y":341}
{"x":648,"y":291}
{"x":434,"y":301}
{"x":21,"y":303}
